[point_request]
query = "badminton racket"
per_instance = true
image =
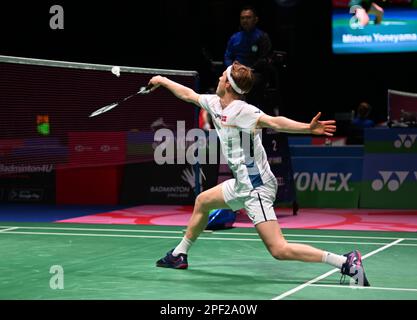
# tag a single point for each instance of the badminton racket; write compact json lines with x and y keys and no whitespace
{"x":143,"y":90}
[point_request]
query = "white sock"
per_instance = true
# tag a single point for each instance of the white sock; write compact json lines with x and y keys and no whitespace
{"x":333,"y":259}
{"x":183,"y":247}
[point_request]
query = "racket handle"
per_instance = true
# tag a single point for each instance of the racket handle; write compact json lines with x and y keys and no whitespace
{"x":145,"y":90}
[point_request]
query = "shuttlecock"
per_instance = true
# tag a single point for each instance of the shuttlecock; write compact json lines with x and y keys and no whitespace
{"x":116,"y":71}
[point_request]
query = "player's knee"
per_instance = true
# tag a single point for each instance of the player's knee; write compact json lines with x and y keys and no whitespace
{"x":280,"y":252}
{"x":201,"y":202}
{"x":279,"y":255}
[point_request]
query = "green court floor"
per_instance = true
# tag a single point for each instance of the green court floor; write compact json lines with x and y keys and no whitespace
{"x":118,"y":262}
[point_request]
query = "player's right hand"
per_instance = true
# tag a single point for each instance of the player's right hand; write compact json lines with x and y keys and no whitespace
{"x":156,"y":81}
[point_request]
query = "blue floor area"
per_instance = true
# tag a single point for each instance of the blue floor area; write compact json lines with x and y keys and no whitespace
{"x":49,"y":213}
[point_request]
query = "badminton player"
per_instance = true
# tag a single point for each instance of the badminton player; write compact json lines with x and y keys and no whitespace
{"x":254,"y":186}
{"x":362,"y":10}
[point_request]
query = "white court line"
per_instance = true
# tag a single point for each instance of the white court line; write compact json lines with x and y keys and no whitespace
{"x":216,"y":232}
{"x":90,"y":235}
{"x":321,"y":236}
{"x":11,"y":228}
{"x":95,"y":229}
{"x":325,"y":275}
{"x":180,"y":237}
{"x":362,"y":288}
{"x":355,"y":237}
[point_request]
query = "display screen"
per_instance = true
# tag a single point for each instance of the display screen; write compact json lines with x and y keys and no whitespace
{"x":362,"y":26}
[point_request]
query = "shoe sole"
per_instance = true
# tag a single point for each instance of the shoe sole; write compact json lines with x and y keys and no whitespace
{"x":181,"y":266}
{"x":365,"y":280}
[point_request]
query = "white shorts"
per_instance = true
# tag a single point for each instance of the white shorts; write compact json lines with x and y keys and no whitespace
{"x":258,"y":204}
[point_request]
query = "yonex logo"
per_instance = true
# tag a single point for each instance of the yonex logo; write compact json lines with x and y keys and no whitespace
{"x":392,"y":179}
{"x":405,"y":140}
{"x":325,"y":181}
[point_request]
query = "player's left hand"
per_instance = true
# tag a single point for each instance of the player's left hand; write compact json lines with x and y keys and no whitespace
{"x":322,"y":127}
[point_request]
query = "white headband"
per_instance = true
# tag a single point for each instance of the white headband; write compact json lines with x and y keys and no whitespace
{"x":232,"y":82}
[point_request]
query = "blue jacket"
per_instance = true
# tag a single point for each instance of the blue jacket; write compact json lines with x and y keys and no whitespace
{"x":363,"y":123}
{"x":249,"y":48}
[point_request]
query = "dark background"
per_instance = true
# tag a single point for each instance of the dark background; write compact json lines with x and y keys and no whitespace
{"x":185,"y":34}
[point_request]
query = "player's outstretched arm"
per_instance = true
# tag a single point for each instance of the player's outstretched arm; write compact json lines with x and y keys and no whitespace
{"x":180,"y":91}
{"x":284,"y":124}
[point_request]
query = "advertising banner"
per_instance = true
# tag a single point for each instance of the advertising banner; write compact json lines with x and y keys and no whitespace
{"x":278,"y":153}
{"x":389,"y":181}
{"x":96,"y":148}
{"x":327,"y":182}
{"x":150,"y":183}
{"x":391,"y":140}
{"x":27,"y":183}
